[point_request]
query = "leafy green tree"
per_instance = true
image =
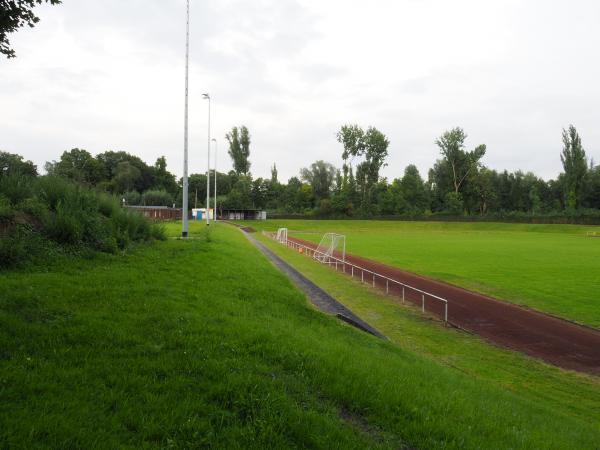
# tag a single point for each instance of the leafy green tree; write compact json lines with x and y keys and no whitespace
{"x":440,"y":182}
{"x":157,"y":198}
{"x":372,"y":146}
{"x":414,"y":192}
{"x":110,"y":160}
{"x":126,"y":176}
{"x":15,"y":14}
{"x":461,"y":162}
{"x":386,"y":200}
{"x":482,"y":182}
{"x":239,"y":149}
{"x":259,"y":193}
{"x":352,"y":139}
{"x":240,"y":195}
{"x":376,"y":151}
{"x":297,"y":196}
{"x":320,"y":175}
{"x":454,"y":203}
{"x":575,"y":166}
{"x":163,"y":179}
{"x":196,"y":190}
{"x":132,"y":198}
{"x":12,"y":164}
{"x":274,"y":174}
{"x":77,"y":165}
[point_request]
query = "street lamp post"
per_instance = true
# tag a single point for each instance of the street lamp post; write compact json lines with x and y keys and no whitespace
{"x":216,"y":152}
{"x":207,"y":97}
{"x":184,"y":212}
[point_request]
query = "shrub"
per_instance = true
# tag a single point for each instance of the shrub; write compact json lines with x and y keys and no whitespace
{"x":15,"y":187}
{"x":108,"y":205}
{"x":6,"y":210}
{"x":20,"y":246}
{"x":453,"y":203}
{"x":157,"y":198}
{"x":132,"y":198}
{"x":35,"y":208}
{"x":50,"y":209}
{"x":64,"y":226}
{"x":158,"y":232}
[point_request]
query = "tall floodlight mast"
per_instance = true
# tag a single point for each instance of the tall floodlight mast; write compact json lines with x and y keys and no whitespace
{"x":207,"y":97}
{"x":184,"y":211}
{"x":216,"y":152}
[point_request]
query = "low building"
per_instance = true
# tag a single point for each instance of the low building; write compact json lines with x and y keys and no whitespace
{"x":158,"y":212}
{"x":242,"y":214}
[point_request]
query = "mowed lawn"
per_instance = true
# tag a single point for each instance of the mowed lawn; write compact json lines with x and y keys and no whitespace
{"x":551,"y":268}
{"x":204,"y":344}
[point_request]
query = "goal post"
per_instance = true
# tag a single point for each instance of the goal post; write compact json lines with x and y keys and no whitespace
{"x":331,"y":243}
{"x":282,"y":235}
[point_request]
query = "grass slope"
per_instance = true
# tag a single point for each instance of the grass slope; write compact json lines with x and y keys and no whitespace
{"x":204,"y":344}
{"x":552,"y":268}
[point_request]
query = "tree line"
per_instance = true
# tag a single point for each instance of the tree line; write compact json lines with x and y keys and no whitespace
{"x":458,"y":184}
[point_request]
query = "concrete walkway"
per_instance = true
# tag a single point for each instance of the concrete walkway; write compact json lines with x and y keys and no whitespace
{"x":321,"y":299}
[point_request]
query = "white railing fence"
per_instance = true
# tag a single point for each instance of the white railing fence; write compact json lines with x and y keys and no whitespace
{"x":377,"y":280}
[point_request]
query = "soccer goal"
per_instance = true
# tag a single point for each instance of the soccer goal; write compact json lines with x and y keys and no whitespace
{"x":331,"y":245}
{"x":282,"y":235}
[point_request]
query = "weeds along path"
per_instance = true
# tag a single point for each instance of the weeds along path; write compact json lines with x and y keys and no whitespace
{"x":556,"y":341}
{"x":321,"y":299}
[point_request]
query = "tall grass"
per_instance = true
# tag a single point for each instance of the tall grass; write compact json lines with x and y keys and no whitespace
{"x":39,"y":214}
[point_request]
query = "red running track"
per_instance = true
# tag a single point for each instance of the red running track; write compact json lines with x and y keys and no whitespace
{"x":556,"y":341}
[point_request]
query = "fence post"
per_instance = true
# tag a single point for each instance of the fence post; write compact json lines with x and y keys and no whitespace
{"x":352,"y":271}
{"x":387,"y":286}
{"x":402,"y":293}
{"x":423,"y":302}
{"x":362,"y":276}
{"x":373,"y":280}
{"x":446,"y":312}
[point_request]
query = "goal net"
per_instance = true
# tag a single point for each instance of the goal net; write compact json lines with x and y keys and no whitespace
{"x":282,"y":235}
{"x":332,"y":245}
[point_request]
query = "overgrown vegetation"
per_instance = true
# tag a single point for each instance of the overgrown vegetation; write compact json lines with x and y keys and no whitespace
{"x":41,"y":217}
{"x":130,"y":352}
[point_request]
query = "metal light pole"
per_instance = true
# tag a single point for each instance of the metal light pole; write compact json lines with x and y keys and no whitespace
{"x":216,"y":151}
{"x":184,"y":212}
{"x":207,"y":97}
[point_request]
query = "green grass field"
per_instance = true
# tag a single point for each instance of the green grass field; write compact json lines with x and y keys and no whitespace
{"x":551,"y":268}
{"x":204,"y":344}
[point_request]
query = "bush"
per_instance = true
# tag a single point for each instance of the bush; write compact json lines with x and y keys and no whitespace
{"x":453,"y":203}
{"x":132,"y":198}
{"x":15,"y":187}
{"x":50,"y":209}
{"x":157,"y":198}
{"x":6,"y":210}
{"x":108,"y":205}
{"x":20,"y":246}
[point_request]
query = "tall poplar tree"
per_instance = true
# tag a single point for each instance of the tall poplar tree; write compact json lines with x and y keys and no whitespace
{"x":575,"y":165}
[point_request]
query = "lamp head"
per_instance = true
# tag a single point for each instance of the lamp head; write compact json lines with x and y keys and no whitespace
{"x":206,"y":96}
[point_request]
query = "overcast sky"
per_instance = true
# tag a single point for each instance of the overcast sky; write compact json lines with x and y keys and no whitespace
{"x":109,"y":74}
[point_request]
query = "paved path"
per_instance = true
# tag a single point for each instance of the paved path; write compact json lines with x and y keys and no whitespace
{"x":554,"y":340}
{"x":321,"y":299}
